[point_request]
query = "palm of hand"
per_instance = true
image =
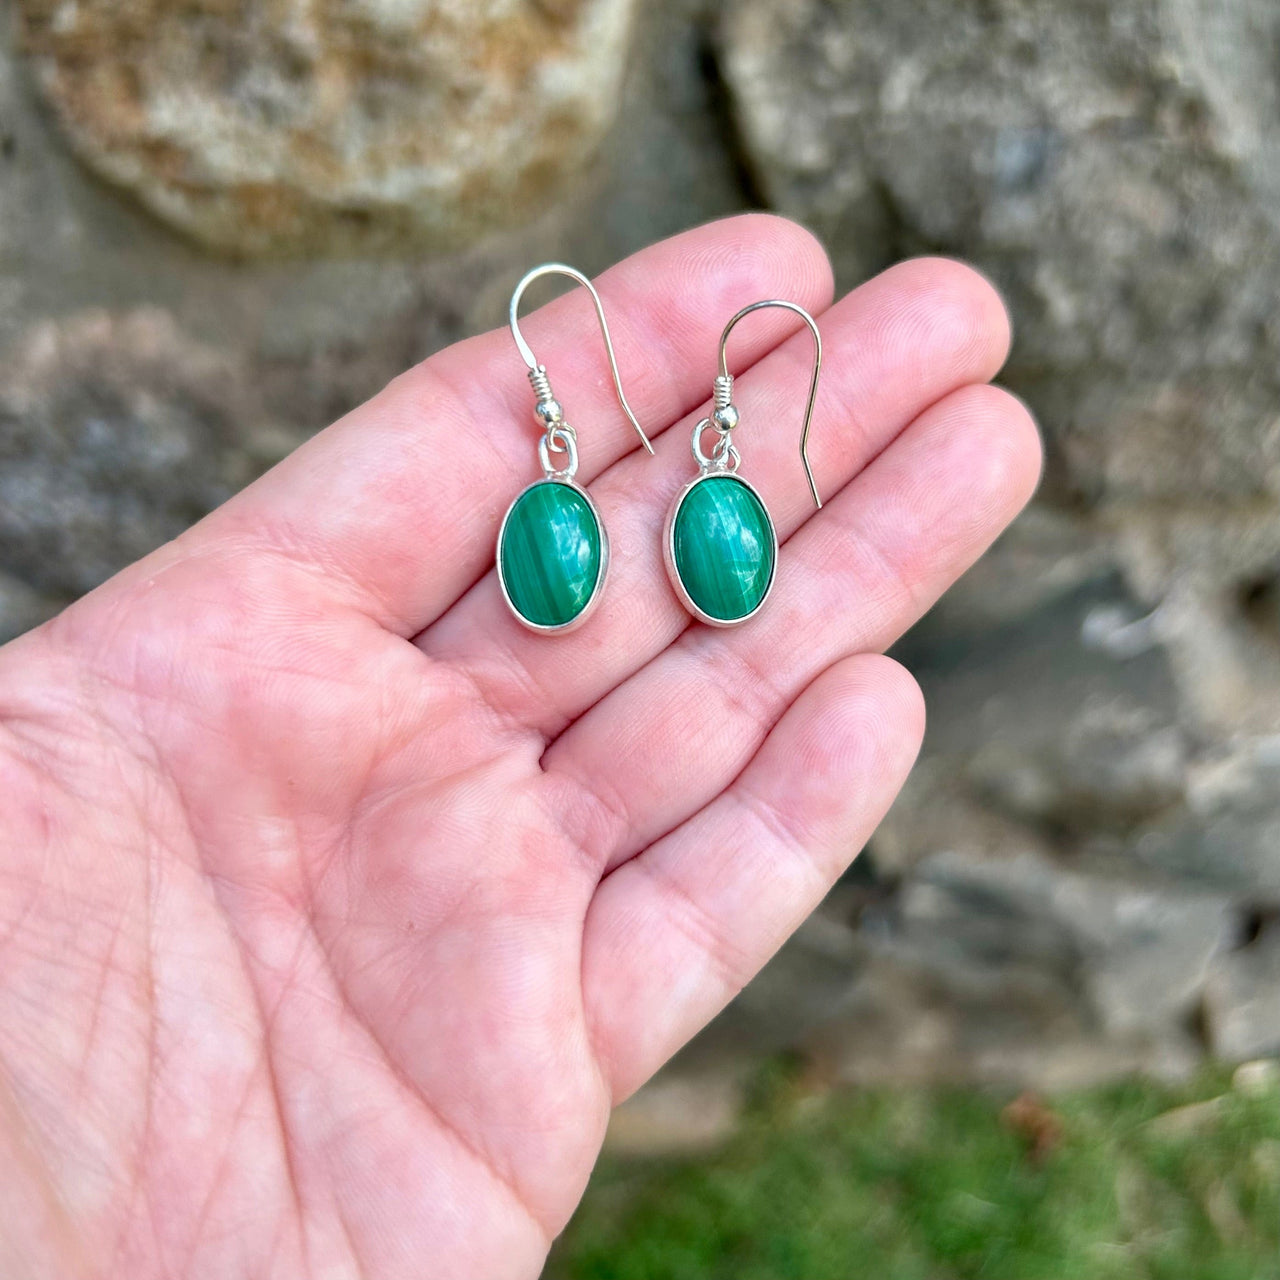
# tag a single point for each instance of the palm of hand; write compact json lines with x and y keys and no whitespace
{"x":338,"y":910}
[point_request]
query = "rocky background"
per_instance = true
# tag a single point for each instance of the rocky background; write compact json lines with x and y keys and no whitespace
{"x":224,"y":222}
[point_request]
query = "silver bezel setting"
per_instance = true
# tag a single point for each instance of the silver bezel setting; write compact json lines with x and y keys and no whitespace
{"x":669,"y":549}
{"x":594,"y":599}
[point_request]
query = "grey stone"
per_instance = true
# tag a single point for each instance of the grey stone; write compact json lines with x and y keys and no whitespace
{"x":1228,"y":838}
{"x":1113,"y":166}
{"x":359,"y":124}
{"x":1140,"y":953}
{"x":1242,"y":1003}
{"x":1050,"y":720}
{"x":1064,"y":732}
{"x":116,"y":433}
{"x":1006,"y":970}
{"x":21,"y":607}
{"x":907,"y":1022}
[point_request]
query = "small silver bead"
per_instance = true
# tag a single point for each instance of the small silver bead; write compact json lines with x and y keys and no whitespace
{"x":548,"y":412}
{"x":725,"y":419}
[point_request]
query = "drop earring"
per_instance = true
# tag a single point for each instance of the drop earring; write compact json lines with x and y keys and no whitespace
{"x":720,"y":545}
{"x":553,"y":551}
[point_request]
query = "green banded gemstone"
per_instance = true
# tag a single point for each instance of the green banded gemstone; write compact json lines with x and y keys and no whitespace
{"x":723,"y":546}
{"x":549,"y":554}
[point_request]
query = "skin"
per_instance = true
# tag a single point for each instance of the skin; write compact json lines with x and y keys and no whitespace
{"x":336,"y":909}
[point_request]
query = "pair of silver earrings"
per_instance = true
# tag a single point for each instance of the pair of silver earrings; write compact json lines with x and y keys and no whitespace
{"x":720,"y":545}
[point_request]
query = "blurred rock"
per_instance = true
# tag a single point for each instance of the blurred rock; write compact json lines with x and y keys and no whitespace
{"x":1139,"y":953}
{"x":1063,"y":721}
{"x":1242,"y":1005}
{"x":1258,"y":1078}
{"x":1228,"y":837}
{"x":1193,"y":1119}
{"x":21,"y":608}
{"x":1009,"y":970}
{"x":116,"y":433}
{"x":1114,"y":167}
{"x":1065,"y":732}
{"x":349,"y":124}
{"x":905,"y":1023}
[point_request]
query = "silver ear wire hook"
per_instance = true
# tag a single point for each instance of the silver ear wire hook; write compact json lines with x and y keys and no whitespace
{"x":725,"y":416}
{"x":549,"y":413}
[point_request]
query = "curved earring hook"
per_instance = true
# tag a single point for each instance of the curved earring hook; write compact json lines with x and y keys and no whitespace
{"x":537,"y":372}
{"x":724,"y":383}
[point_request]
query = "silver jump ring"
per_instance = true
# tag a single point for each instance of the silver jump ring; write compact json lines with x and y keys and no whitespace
{"x":724,"y":455}
{"x":562,"y":439}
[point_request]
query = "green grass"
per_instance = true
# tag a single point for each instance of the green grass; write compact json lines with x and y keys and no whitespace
{"x":937,"y":1185}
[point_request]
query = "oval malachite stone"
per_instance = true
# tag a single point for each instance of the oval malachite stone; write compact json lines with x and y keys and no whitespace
{"x":549,"y":555}
{"x":724,"y":548}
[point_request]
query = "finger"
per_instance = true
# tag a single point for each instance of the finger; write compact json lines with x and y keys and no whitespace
{"x":674,"y":934}
{"x":396,"y":507}
{"x":894,"y":346}
{"x":852,"y":580}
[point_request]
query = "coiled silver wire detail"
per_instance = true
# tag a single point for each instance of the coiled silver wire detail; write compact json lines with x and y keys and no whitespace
{"x":541,"y":384}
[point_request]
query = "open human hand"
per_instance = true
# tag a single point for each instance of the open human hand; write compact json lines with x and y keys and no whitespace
{"x":336,"y":909}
